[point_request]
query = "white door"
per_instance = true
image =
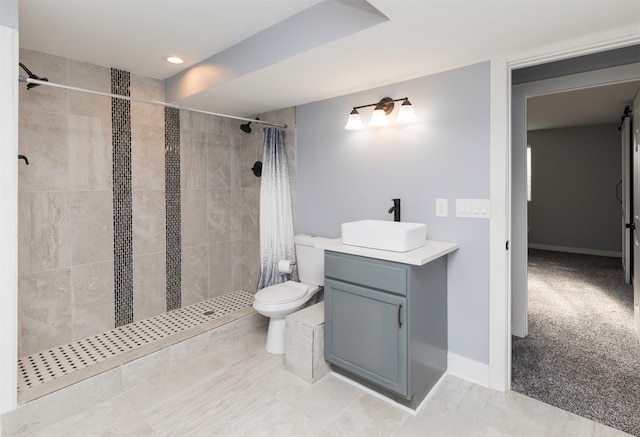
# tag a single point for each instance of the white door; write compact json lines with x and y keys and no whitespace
{"x":625,"y":199}
{"x":636,"y":213}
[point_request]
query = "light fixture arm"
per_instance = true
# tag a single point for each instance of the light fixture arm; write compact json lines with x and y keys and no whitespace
{"x":385,"y":103}
{"x":382,"y":109}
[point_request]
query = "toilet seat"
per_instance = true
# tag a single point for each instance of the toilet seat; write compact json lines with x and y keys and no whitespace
{"x":281,"y":293}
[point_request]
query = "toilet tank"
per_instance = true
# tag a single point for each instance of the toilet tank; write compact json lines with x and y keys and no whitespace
{"x":310,"y":260}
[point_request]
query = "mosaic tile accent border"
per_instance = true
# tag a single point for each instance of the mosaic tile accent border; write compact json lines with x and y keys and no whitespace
{"x":173,"y":213}
{"x":122,"y":198}
{"x":41,"y":367}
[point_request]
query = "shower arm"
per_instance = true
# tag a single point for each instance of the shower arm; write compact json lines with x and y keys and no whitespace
{"x":30,"y":80}
{"x":31,"y":76}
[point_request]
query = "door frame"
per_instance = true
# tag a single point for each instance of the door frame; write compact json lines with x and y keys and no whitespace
{"x":627,"y":189}
{"x":635,"y":126}
{"x":502,"y":227}
{"x":520,"y":94}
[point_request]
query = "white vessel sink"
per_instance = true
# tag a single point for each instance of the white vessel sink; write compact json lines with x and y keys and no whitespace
{"x":384,"y":235}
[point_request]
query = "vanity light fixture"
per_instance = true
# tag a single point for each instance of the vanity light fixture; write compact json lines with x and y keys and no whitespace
{"x":379,"y":117}
{"x":406,"y":114}
{"x":354,"y":122}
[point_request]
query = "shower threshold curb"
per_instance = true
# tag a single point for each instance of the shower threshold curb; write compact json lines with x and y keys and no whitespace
{"x":66,"y":396}
{"x":110,"y":380}
{"x":30,"y":394}
{"x":47,"y":371}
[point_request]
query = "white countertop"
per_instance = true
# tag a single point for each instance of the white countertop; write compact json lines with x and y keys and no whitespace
{"x":417,"y":257}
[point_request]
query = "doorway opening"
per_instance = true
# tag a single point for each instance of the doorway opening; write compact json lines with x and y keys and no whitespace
{"x":577,"y":330}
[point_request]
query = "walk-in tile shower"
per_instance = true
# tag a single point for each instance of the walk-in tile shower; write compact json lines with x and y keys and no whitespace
{"x":127,"y":210}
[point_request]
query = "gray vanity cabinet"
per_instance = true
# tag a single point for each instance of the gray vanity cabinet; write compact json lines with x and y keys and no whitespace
{"x":367,"y":334}
{"x":386,"y":323}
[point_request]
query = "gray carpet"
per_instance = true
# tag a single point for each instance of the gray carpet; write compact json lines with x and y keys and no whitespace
{"x":582,"y":353}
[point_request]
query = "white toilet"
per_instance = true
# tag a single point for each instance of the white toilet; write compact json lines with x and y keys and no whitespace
{"x":280,"y":300}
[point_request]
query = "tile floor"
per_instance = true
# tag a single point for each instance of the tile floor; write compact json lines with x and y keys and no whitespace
{"x":244,"y":391}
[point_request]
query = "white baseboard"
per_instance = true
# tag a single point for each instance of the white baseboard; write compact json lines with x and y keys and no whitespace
{"x":580,"y":250}
{"x":468,"y":369}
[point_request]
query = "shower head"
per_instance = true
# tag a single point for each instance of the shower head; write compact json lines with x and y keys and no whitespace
{"x":247,"y":127}
{"x":32,"y":76}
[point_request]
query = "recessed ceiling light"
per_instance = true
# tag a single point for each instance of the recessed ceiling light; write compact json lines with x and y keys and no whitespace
{"x":173,"y":60}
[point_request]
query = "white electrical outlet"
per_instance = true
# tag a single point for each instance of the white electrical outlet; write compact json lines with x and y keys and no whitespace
{"x":442,"y":208}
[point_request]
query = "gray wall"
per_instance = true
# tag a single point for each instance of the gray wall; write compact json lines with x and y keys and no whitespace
{"x":352,"y":175}
{"x":574,"y":175}
{"x":9,"y":13}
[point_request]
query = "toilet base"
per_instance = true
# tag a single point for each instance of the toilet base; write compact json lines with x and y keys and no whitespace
{"x":275,"y":336}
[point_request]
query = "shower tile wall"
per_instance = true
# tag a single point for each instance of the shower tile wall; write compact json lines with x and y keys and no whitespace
{"x":66,"y":232}
{"x":148,"y":192}
{"x":209,"y":156}
{"x":172,"y":204}
{"x":65,"y":235}
{"x":122,"y":203}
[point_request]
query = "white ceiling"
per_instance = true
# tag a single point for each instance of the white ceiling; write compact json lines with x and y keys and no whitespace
{"x":420,"y":37}
{"x":583,"y":107}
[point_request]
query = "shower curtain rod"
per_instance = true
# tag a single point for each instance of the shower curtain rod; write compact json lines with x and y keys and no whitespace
{"x":136,"y":99}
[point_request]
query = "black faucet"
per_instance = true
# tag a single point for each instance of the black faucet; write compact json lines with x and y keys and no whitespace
{"x":395,"y":209}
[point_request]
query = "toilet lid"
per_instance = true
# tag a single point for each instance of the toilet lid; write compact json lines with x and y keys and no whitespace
{"x":281,"y":293}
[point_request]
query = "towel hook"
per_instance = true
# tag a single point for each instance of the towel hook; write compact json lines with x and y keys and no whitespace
{"x":25,"y":159}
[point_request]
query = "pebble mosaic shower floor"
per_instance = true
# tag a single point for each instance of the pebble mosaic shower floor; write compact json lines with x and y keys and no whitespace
{"x":41,"y":367}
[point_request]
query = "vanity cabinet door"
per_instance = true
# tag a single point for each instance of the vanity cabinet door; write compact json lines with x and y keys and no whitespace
{"x":366,"y":334}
